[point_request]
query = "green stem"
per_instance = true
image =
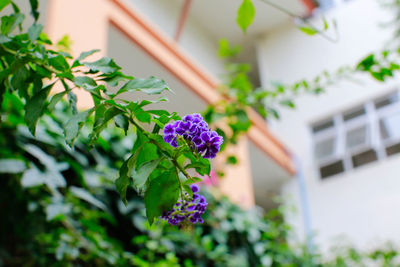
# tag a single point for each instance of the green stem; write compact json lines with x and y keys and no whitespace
{"x":181,"y":169}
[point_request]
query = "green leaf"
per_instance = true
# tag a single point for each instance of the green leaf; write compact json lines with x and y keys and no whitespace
{"x":122,"y":182}
{"x":4,"y":39}
{"x":4,"y":3}
{"x":148,"y":153}
{"x":367,"y":63}
{"x":121,"y":121}
{"x":161,"y":195}
{"x":115,"y":78}
{"x":326,"y":25}
{"x":192,"y":181}
{"x":245,"y":14}
{"x":143,"y":116}
{"x":85,"y":195}
{"x":55,"y":99}
{"x":201,"y":165}
{"x":32,"y":177}
{"x":74,"y":125}
{"x":140,"y":176}
{"x":72,"y":102}
{"x":34,"y":107}
{"x":232,"y":160}
{"x":105,"y":65}
{"x":34,"y":31}
{"x":102,"y":122}
{"x":84,"y":55}
{"x":287,"y":102}
{"x":150,"y":86}
{"x":34,"y":9}
{"x":226,"y":51}
{"x":308,"y":30}
{"x":85,"y":82}
{"x":59,"y":63}
{"x":18,"y":81}
{"x":12,"y":166}
{"x":9,"y":23}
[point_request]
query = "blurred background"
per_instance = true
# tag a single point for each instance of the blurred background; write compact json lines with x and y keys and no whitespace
{"x":325,"y":173}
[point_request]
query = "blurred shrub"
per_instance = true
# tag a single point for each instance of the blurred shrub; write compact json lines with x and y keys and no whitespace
{"x":59,"y":207}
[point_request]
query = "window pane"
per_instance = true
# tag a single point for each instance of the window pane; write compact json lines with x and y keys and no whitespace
{"x":356,"y":137}
{"x":325,"y":148}
{"x":390,"y":126}
{"x":394,"y":149}
{"x":364,"y":158}
{"x":354,"y":113}
{"x":322,"y":125}
{"x":331,"y":169}
{"x":387,"y":100}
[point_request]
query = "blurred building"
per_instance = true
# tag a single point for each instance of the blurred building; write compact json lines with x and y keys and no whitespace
{"x":344,"y":142}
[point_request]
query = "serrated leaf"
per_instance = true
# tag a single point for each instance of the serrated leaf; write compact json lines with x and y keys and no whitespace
{"x":34,"y":108}
{"x":12,"y":166}
{"x":161,"y":195}
{"x":82,"y":56}
{"x":34,"y":31}
{"x":85,"y":82}
{"x":105,"y":65}
{"x":151,"y":86}
{"x":73,"y":126}
{"x":245,"y":14}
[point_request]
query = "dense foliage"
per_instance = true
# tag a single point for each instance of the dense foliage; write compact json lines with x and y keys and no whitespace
{"x":59,"y":207}
{"x":59,"y":203}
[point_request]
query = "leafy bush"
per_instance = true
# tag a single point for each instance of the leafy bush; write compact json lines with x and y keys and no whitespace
{"x":59,"y":205}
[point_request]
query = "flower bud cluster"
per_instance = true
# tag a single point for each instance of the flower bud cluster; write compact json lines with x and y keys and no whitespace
{"x":187,"y":210}
{"x":194,"y":129}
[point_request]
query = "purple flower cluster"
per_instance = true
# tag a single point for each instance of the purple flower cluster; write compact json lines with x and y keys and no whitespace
{"x":188,"y":210}
{"x":193,"y":128}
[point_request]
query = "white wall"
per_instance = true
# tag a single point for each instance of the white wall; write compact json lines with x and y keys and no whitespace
{"x":362,"y":204}
{"x":195,"y":39}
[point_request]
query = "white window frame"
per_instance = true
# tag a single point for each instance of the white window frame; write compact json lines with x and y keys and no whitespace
{"x":374,"y":140}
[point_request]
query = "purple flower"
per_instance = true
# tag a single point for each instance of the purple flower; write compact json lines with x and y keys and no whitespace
{"x":195,"y":188}
{"x":211,"y":144}
{"x":193,"y":128}
{"x":189,"y":211}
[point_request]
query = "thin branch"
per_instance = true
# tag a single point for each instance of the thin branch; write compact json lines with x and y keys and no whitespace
{"x":303,"y":20}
